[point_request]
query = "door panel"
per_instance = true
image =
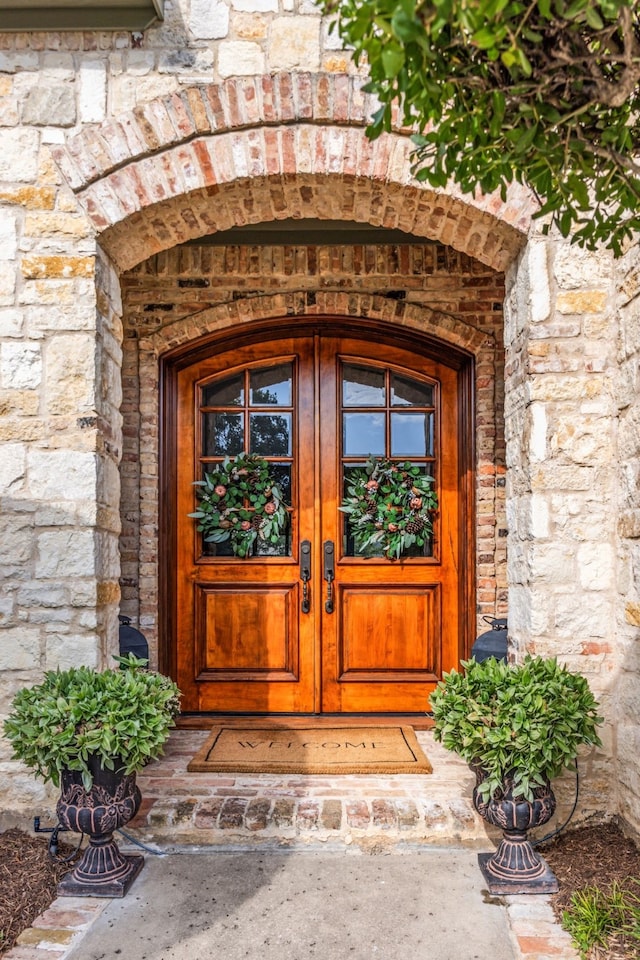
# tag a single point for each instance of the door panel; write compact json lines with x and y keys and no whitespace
{"x":377,"y":634}
{"x":243,"y":645}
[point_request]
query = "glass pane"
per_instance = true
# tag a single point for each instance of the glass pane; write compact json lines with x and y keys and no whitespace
{"x":270,"y":435}
{"x":282,"y":548}
{"x":224,"y":393}
{"x":222,"y":434}
{"x":411,"y":434}
{"x":281,"y":473}
{"x":363,"y":433}
{"x":362,"y":386}
{"x":410,"y":393}
{"x":353,"y":548}
{"x":271,"y":386}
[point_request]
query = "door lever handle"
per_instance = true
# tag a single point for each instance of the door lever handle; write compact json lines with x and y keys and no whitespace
{"x":305,"y":574}
{"x":329,"y":572}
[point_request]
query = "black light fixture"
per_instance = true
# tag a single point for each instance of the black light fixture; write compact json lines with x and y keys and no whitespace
{"x":493,"y":642}
{"x":131,"y":640}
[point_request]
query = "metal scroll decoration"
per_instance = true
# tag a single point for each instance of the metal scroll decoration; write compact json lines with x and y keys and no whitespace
{"x":390,"y":505}
{"x":241,"y":501}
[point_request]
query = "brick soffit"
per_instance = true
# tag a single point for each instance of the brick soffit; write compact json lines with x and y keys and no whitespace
{"x":250,"y":149}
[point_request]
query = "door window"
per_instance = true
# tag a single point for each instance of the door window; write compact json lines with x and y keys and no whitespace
{"x":385,"y":414}
{"x":250,"y":412}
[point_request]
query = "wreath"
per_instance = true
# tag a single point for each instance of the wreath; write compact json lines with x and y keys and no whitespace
{"x":389,"y":504}
{"x":240,"y":501}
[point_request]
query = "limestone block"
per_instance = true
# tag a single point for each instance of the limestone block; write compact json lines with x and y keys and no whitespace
{"x":54,"y":267}
{"x":70,"y":374}
{"x":538,"y":517}
{"x":58,"y":65}
{"x":56,"y":227}
{"x":50,"y":105}
{"x":9,"y":113}
{"x":255,"y":6}
{"x":586,"y":442}
{"x":331,"y":39}
{"x":294,"y":43}
{"x":246,"y":26}
{"x":551,"y":561}
{"x":15,"y":539}
{"x":20,"y":366}
{"x":19,"y":155}
{"x":93,"y":91}
{"x":557,"y":388}
{"x":574,"y":268}
{"x":11,"y":323}
{"x":596,"y":565}
{"x":12,"y":469}
{"x":140,"y":62}
{"x":538,"y":432}
{"x":65,"y":554}
{"x":20,"y":648}
{"x":240,"y":58}
{"x":65,"y":651}
{"x":8,"y":235}
{"x":78,"y":316}
{"x":186,"y":61}
{"x":7,"y":282}
{"x":591,"y":301}
{"x":61,"y":474}
{"x":576,"y":618}
{"x":11,"y":61}
{"x":539,"y":293}
{"x":209,"y":19}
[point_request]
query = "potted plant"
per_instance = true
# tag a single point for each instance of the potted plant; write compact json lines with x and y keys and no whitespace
{"x":89,"y":732}
{"x":518,"y":726}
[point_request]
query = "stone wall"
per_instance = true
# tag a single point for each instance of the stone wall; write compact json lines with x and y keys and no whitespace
{"x":562,"y":474}
{"x":118,"y":147}
{"x":628,"y":536}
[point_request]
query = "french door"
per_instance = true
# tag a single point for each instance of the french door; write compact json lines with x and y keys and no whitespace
{"x":313,"y":623}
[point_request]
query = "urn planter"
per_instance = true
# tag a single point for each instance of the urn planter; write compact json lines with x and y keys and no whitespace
{"x":112,"y":801}
{"x":516,"y":867}
{"x":518,"y":725}
{"x":89,"y":732}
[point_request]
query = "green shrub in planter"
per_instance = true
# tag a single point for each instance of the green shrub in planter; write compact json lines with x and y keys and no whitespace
{"x":120,"y":716}
{"x":521,"y":724}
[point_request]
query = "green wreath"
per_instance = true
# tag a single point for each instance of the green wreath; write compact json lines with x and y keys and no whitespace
{"x":240,"y":501}
{"x":389,"y":504}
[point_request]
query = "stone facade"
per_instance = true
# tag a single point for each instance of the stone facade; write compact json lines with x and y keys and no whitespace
{"x":117,"y":149}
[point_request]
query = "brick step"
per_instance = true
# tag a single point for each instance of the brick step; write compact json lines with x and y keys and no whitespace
{"x":182,"y":809}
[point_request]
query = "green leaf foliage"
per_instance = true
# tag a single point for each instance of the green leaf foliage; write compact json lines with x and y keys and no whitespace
{"x":390,"y":505}
{"x":522,"y":723}
{"x":545,"y":93}
{"x":122,"y":716}
{"x":241,"y":501}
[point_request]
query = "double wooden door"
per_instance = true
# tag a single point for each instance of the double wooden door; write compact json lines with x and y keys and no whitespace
{"x":311,"y":624}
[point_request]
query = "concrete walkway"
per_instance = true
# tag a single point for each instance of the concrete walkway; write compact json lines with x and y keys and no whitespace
{"x":428,"y":904}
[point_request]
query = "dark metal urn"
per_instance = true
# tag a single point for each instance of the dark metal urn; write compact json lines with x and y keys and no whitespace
{"x":112,"y":801}
{"x":516,"y":867}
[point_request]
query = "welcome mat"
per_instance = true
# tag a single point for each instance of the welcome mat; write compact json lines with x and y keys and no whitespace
{"x":311,"y":750}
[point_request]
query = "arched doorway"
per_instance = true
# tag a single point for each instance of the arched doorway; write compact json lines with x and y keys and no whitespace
{"x":315,"y":400}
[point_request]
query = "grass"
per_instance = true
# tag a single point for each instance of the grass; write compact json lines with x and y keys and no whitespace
{"x":597,"y":914}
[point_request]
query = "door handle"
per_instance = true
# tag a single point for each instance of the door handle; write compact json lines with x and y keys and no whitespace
{"x":305,"y":574}
{"x":329,"y":572}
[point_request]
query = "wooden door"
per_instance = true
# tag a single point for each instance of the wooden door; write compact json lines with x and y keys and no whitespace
{"x":377,"y":635}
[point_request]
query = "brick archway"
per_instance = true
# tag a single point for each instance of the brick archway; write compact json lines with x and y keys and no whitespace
{"x":264,"y":148}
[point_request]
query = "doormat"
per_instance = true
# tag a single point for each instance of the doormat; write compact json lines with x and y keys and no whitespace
{"x":311,"y":750}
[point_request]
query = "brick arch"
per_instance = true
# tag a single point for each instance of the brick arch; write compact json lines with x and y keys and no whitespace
{"x":251,"y":149}
{"x":349,"y":305}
